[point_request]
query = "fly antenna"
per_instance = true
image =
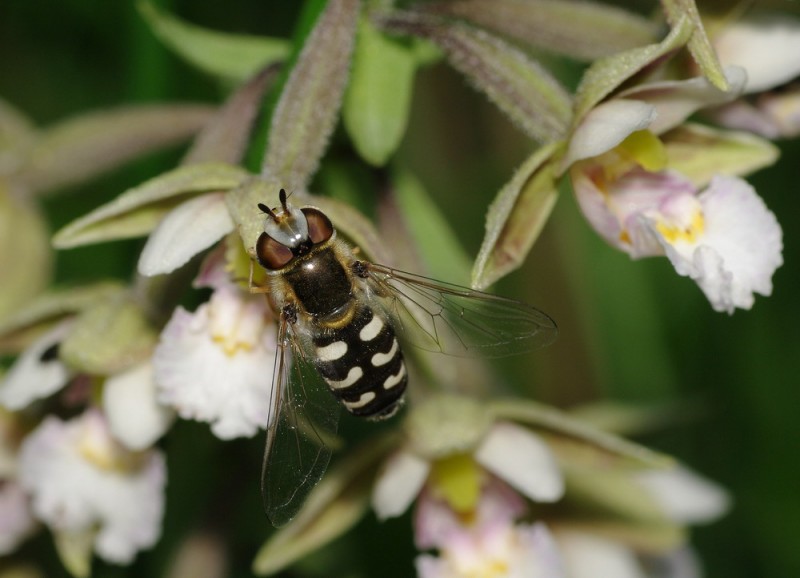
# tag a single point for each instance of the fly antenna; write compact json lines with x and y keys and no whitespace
{"x":282,"y":197}
{"x":265,"y":209}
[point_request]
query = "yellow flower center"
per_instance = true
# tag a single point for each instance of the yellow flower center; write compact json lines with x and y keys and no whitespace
{"x":235,"y":325}
{"x":687,"y":231}
{"x":457,"y":479}
{"x":230,"y":345}
{"x":645,"y":149}
{"x":105,"y":453}
{"x":490,"y":568}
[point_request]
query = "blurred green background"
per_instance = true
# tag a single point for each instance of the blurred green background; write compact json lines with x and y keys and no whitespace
{"x":629,"y":331}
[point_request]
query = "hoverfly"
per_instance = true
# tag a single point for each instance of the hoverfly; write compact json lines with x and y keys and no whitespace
{"x":339,"y":322}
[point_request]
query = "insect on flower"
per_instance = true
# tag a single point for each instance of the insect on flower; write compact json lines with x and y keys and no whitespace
{"x":339,"y":323}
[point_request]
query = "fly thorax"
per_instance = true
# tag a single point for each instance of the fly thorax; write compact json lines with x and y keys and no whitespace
{"x":320,"y":283}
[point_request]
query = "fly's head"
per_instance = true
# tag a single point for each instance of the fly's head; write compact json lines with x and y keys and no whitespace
{"x":290,"y":232}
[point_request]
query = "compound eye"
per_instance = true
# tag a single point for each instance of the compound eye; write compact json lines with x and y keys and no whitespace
{"x":320,"y":228}
{"x":271,"y":254}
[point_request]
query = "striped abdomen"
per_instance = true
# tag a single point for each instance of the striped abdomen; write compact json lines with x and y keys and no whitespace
{"x":363,"y":364}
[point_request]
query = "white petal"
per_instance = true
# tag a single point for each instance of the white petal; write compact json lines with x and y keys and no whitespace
{"x":398,"y":484}
{"x":606,"y":126}
{"x":74,"y":492}
{"x":686,"y":497}
{"x":129,"y":401}
{"x":739,"y":251}
{"x":783,"y":109}
{"x":538,"y":555}
{"x":436,"y":524}
{"x":741,"y":115}
{"x":677,"y":100}
{"x":767,"y":48}
{"x":36,"y":374}
{"x":188,"y":229}
{"x":589,"y":556}
{"x":213,"y":378}
{"x":522,"y":459}
{"x":16,"y":519}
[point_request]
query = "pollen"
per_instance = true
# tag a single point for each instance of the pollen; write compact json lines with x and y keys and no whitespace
{"x":231,"y":345}
{"x":686,"y":233}
{"x":106,"y":454}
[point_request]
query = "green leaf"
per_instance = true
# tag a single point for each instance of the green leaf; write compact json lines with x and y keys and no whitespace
{"x":232,"y":57}
{"x":608,"y":492}
{"x":628,"y":419}
{"x":440,"y":249}
{"x":699,"y":45}
{"x":109,"y":337}
{"x":604,"y":76}
{"x":516,"y":217}
{"x":308,"y":109}
{"x":26,"y":258}
{"x":582,"y":30}
{"x":333,"y":507}
{"x":83,"y":147}
{"x":378,"y":99}
{"x":17,"y":331}
{"x":137,"y":211}
{"x":700,"y":152}
{"x":523,"y":89}
{"x":553,"y":420}
{"x":607,"y":497}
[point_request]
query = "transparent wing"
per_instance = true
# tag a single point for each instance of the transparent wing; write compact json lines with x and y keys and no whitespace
{"x":302,"y":434}
{"x":455,"y":320}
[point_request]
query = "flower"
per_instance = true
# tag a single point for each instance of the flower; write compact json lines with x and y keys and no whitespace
{"x":456,"y":448}
{"x":766,"y":46}
{"x":723,"y":237}
{"x":134,"y":415}
{"x":490,"y":544}
{"x":632,"y":188}
{"x":81,"y":480}
{"x":16,"y":520}
{"x":216,"y":364}
{"x":38,"y":371}
{"x":683,"y":496}
{"x":587,"y":555}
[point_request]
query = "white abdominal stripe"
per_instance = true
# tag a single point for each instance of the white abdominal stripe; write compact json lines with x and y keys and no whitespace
{"x":363,"y":364}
